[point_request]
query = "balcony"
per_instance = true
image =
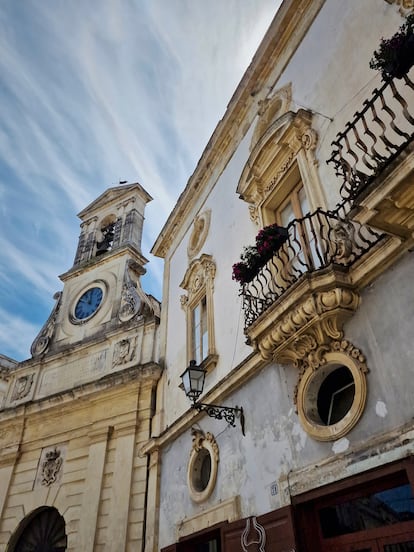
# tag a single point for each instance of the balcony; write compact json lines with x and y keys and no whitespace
{"x":374,"y":158}
{"x":307,"y":287}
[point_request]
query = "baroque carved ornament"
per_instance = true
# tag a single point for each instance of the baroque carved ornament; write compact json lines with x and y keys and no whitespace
{"x":22,"y":387}
{"x":134,"y":302}
{"x":124,"y":351}
{"x":200,"y":273}
{"x":315,"y":322}
{"x":42,"y":341}
{"x":332,"y":361}
{"x":199,"y":233}
{"x":51,"y":467}
{"x":199,"y":440}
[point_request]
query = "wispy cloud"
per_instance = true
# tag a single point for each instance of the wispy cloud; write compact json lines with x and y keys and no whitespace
{"x":95,"y":92}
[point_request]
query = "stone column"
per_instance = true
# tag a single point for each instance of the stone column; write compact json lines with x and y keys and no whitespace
{"x":92,"y":495}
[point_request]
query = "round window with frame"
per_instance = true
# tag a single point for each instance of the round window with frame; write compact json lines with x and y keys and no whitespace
{"x":331,"y":399}
{"x":202,"y":466}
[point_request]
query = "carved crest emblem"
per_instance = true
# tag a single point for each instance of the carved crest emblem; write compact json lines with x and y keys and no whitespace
{"x":51,"y":467}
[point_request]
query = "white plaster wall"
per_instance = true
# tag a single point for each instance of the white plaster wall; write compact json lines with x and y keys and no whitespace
{"x":330,"y":75}
{"x":330,"y":70}
{"x":230,"y":229}
{"x":275,"y":444}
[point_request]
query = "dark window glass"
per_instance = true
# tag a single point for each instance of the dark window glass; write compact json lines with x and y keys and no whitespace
{"x":336,"y":395}
{"x":201,"y":470}
{"x":209,"y":546}
{"x":368,"y":512}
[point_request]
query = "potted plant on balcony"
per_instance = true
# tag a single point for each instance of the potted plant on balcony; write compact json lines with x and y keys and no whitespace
{"x":395,"y":55}
{"x":247,"y":268}
{"x":268,"y":241}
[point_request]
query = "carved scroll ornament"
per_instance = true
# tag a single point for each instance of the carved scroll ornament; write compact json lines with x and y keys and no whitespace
{"x":134,"y":302}
{"x":200,"y":439}
{"x":315,"y":322}
{"x":42,"y":341}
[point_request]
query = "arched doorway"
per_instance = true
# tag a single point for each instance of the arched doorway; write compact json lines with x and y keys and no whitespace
{"x":43,"y":530}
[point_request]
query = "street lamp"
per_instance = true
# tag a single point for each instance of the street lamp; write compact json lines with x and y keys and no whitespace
{"x":193,"y":382}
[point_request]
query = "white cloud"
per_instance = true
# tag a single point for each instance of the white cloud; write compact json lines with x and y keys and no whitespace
{"x":94,"y":93}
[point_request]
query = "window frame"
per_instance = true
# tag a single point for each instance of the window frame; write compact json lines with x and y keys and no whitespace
{"x":199,"y":284}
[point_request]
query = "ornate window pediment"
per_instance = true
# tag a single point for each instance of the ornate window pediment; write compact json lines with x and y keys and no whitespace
{"x":283,"y":144}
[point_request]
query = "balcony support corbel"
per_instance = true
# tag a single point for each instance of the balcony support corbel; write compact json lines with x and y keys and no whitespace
{"x":316,"y":321}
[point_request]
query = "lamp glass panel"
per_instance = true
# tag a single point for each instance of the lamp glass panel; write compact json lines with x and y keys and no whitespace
{"x":196,"y":379}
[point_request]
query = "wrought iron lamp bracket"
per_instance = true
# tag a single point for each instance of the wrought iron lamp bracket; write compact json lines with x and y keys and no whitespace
{"x":227,"y":413}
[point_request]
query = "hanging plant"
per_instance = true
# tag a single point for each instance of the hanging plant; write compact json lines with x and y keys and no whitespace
{"x":395,"y":55}
{"x":254,"y":257}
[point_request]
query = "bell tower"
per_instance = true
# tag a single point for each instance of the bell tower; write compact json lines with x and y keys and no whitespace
{"x":102,"y":291}
{"x":78,"y":411}
{"x":113,"y":220}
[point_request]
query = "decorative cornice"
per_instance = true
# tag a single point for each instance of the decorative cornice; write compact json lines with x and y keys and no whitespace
{"x":274,"y":52}
{"x":148,"y":373}
{"x":281,"y":141}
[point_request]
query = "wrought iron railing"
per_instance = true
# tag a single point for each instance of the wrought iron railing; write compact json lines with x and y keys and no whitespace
{"x":316,"y":241}
{"x":375,"y":136}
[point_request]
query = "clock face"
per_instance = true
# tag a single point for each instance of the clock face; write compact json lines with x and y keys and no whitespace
{"x":88,"y":303}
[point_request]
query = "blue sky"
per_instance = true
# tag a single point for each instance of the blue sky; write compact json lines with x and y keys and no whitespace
{"x":93,"y":92}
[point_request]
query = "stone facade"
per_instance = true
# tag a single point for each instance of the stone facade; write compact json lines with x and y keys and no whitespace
{"x":73,"y":417}
{"x":332,"y":308}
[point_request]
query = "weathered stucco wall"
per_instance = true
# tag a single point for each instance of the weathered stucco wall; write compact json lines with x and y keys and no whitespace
{"x":275,"y":444}
{"x":330,"y":76}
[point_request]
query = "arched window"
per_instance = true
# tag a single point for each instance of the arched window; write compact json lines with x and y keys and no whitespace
{"x":43,"y":530}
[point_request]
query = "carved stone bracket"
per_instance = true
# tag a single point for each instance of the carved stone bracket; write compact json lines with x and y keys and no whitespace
{"x":298,"y":336}
{"x":134,"y":302}
{"x":42,"y":341}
